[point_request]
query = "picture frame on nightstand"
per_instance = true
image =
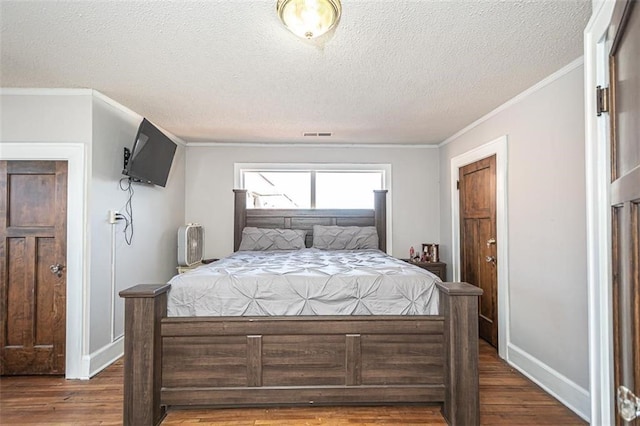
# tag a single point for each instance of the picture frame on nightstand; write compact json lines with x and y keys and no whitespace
{"x":430,"y":252}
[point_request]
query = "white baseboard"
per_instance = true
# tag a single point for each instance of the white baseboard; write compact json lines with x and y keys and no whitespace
{"x":566,"y":391}
{"x":97,"y":361}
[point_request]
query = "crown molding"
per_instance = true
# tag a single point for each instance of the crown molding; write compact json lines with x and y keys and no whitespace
{"x":516,"y":99}
{"x":117,"y":105}
{"x":43,"y":91}
{"x":304,"y":145}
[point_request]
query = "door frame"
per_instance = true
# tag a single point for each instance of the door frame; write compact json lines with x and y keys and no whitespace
{"x":499,"y":148}
{"x":77,"y":242}
{"x":596,"y":68}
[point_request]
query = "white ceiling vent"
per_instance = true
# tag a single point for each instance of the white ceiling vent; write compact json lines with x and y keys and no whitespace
{"x":317,"y":134}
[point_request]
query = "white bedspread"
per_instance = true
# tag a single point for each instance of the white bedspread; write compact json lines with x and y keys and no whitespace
{"x":304,"y":282}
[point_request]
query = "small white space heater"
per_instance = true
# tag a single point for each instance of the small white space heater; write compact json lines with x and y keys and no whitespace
{"x":190,"y":244}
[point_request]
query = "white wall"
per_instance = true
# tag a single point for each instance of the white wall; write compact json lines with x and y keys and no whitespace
{"x":413,"y":195}
{"x":65,"y":119}
{"x":45,"y":116}
{"x":157,"y":212}
{"x":547,"y":231}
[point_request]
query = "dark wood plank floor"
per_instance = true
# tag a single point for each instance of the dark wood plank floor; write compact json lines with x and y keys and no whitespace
{"x":507,"y":398}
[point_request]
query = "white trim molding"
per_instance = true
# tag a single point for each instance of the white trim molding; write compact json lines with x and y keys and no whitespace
{"x":43,"y":91}
{"x":598,"y":220}
{"x":499,"y":148}
{"x":115,"y":104}
{"x":77,"y":267}
{"x":560,"y":387}
{"x":97,"y":361}
{"x":310,"y":145}
{"x":238,"y":168}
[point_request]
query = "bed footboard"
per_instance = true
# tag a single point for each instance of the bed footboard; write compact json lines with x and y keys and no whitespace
{"x":144,"y":307}
{"x":260,"y":361}
{"x":459,"y":307}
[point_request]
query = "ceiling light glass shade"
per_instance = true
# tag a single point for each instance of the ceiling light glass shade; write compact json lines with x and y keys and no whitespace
{"x":309,"y":18}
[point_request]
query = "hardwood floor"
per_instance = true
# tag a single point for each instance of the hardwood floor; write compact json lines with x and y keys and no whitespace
{"x":506,"y":397}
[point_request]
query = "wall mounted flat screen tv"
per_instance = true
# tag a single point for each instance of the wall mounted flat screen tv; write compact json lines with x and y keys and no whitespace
{"x":150,"y":159}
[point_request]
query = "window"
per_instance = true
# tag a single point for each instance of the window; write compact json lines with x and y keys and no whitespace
{"x":278,"y":189}
{"x":297,"y":186}
{"x":347,"y":189}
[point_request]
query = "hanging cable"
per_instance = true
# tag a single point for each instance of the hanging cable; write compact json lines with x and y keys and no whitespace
{"x":126,"y":185}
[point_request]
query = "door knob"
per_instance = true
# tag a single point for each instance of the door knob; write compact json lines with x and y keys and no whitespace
{"x":490,"y":259}
{"x":628,"y":404}
{"x":57,"y":269}
{"x":491,"y":241}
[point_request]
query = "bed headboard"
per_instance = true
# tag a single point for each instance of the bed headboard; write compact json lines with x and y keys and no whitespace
{"x":306,"y":218}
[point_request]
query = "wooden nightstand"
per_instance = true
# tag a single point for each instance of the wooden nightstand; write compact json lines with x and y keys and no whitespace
{"x":438,"y":268}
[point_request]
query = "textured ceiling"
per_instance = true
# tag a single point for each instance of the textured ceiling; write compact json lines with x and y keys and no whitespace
{"x":403,"y":71}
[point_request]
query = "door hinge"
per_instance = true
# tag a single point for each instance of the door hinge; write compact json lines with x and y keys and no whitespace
{"x":628,"y":404}
{"x":602,"y":100}
{"x":457,"y":184}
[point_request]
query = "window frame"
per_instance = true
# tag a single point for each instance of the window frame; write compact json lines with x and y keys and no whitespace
{"x":313,"y":168}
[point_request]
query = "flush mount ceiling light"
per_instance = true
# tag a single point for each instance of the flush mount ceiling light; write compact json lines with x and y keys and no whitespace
{"x":309,"y":18}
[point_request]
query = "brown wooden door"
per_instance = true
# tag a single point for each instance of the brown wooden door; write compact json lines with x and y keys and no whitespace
{"x":478,"y":239}
{"x":33,"y":228}
{"x":625,"y":196}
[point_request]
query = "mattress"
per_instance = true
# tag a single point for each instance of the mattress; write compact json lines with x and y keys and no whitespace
{"x":304,"y":282}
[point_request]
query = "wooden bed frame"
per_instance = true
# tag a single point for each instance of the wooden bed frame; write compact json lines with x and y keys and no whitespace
{"x":324,"y":360}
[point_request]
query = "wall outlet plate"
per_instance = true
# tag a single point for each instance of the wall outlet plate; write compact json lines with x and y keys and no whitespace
{"x":112,"y":216}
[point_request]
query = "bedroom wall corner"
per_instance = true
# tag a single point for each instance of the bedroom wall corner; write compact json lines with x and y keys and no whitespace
{"x":547,"y":229}
{"x":157,"y":213}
